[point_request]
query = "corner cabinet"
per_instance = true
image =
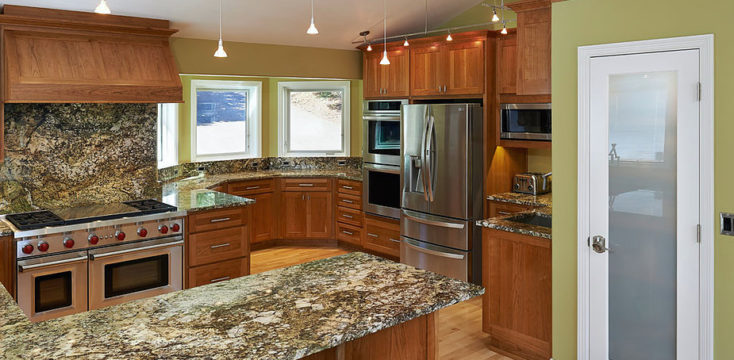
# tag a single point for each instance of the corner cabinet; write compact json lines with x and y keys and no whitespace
{"x":386,"y":81}
{"x":307,"y":206}
{"x":447,"y":68}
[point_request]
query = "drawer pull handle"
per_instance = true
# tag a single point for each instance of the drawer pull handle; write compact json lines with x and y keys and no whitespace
{"x":305,"y":185}
{"x":348,"y":216}
{"x":220,"y":220}
{"x":373,"y":235}
{"x":219,"y":246}
{"x":347,"y":187}
{"x":348,"y":201}
{"x":252,"y":187}
{"x":393,"y":240}
{"x":348,"y":232}
{"x":223,"y":278}
{"x":504,"y":213}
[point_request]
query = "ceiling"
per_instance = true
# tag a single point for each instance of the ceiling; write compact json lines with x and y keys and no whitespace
{"x":279,"y":21}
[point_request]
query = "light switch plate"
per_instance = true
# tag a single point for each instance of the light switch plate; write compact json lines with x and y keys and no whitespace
{"x":727,"y":224}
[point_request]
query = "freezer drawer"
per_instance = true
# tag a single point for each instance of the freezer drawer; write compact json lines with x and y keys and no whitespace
{"x":442,"y":260}
{"x":438,"y":230}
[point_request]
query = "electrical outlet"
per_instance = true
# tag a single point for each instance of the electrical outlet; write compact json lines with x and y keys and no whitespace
{"x":341,"y":162}
{"x":727,"y":224}
{"x":286,"y":163}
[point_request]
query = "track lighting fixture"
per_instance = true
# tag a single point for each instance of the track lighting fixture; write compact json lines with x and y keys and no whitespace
{"x":102,"y":8}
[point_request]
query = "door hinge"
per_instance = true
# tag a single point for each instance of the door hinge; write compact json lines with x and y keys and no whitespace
{"x":699,"y":91}
{"x":698,"y":233}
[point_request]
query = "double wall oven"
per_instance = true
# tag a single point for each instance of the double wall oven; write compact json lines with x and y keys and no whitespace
{"x":381,"y":169}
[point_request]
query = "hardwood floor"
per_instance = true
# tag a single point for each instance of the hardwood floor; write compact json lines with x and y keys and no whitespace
{"x":460,"y":326}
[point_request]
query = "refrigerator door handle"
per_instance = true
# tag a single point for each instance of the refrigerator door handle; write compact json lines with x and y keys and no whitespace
{"x":431,"y":250}
{"x":429,"y":158}
{"x":415,"y":217}
{"x":424,"y":166}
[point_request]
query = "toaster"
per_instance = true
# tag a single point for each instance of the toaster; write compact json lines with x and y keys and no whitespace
{"x":532,"y":183}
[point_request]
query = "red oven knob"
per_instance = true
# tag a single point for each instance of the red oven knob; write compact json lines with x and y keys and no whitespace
{"x":27,"y":249}
{"x":142,"y":232}
{"x":163,"y":229}
{"x":93,"y":239}
{"x":43,"y":246}
{"x":119,"y":235}
{"x":68,"y":243}
{"x":175,"y":227}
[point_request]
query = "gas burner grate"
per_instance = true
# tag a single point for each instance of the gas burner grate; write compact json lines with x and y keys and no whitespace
{"x":150,"y":206}
{"x":34,"y":220}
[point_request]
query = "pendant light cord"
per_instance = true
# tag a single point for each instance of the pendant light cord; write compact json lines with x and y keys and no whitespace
{"x":384,"y":25}
{"x":220,"y":20}
{"x":426,"y":27}
{"x":311,"y":11}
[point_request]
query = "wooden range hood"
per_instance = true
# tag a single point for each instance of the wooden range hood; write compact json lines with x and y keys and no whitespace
{"x":56,"y":56}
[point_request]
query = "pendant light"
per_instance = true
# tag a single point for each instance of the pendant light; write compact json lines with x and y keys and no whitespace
{"x":495,"y":18}
{"x":504,"y":25}
{"x":385,"y":60}
{"x":369,"y":47}
{"x":406,"y":43}
{"x":102,"y":8}
{"x":449,"y":38}
{"x":504,"y":29}
{"x":312,"y":29}
{"x":220,"y":53}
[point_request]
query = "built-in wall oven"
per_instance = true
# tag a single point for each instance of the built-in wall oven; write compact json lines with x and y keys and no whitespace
{"x":382,"y":131}
{"x":381,"y":190}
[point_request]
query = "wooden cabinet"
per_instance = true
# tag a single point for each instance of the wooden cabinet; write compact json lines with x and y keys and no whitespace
{"x":387,"y":81}
{"x":426,"y":72}
{"x":507,"y":64}
{"x":517,"y":304}
{"x":217,"y":245}
{"x":307,"y":206}
{"x":533,"y":47}
{"x":264,"y":210}
{"x":348,"y":213}
{"x":7,"y":264}
{"x":448,"y":68}
{"x":252,"y":187}
{"x":381,"y":235}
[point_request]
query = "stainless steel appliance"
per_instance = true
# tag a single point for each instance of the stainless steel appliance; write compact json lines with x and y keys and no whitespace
{"x":73,"y":260}
{"x":381,"y":190}
{"x":525,"y":121}
{"x":442,"y":189}
{"x":532,"y":183}
{"x":382,"y":131}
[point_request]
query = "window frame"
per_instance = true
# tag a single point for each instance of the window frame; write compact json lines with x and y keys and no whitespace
{"x":284,"y":89}
{"x":167,"y":142}
{"x":254,"y":117}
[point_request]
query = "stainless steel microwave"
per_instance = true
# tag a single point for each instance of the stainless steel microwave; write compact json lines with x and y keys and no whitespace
{"x":525,"y":122}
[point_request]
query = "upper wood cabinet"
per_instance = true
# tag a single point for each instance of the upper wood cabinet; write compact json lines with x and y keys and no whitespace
{"x":507,"y":64}
{"x":386,"y":81}
{"x":426,"y":76}
{"x":448,"y":68}
{"x":533,"y":47}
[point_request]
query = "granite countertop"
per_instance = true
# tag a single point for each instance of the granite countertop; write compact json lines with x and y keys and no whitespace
{"x":287,"y":313}
{"x":202,"y":199}
{"x":504,"y":224}
{"x":545,"y":200}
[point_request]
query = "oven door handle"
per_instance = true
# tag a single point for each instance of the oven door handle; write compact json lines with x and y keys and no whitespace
{"x":23,"y":268}
{"x":127,"y":251}
{"x":381,"y":118}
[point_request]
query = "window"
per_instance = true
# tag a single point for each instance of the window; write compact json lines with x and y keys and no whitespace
{"x":167,"y":135}
{"x":314,"y":118}
{"x":226,"y":118}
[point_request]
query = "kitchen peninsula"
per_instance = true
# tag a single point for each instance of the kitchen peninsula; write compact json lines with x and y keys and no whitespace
{"x":312,"y":310}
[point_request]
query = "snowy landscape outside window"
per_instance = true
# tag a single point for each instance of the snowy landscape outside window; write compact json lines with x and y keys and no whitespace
{"x":314,"y":118}
{"x":226,"y":120}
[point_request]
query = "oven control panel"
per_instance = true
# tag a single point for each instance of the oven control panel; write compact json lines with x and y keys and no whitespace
{"x":97,"y":237}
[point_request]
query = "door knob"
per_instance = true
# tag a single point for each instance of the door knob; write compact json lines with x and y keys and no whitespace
{"x":599,"y":244}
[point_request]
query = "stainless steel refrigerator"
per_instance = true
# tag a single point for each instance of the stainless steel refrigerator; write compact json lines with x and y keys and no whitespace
{"x":441,"y":176}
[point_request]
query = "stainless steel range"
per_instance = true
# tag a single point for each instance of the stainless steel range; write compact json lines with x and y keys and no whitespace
{"x":78,"y":259}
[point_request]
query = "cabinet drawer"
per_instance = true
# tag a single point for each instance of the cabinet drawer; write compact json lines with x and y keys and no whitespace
{"x":350,"y":187}
{"x":497,"y":208}
{"x":349,"y":233}
{"x":243,"y":188}
{"x":381,"y":240}
{"x":222,"y":271}
{"x":350,"y":201}
{"x":218,"y":245}
{"x":306,"y":184}
{"x":349,"y":216}
{"x":217,"y":219}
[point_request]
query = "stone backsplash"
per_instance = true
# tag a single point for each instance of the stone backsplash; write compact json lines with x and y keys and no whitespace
{"x":62,"y":155}
{"x":271,"y":163}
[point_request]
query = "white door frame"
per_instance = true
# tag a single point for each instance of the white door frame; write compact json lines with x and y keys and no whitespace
{"x":705,"y":45}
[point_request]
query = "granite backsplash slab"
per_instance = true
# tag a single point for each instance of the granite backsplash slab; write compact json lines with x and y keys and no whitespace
{"x":65,"y":155}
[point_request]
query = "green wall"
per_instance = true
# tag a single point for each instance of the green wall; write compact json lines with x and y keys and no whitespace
{"x":586,"y":22}
{"x":269,"y":114}
{"x":480,"y":14}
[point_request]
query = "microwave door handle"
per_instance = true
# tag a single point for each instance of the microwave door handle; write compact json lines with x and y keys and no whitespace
{"x":429,"y":156}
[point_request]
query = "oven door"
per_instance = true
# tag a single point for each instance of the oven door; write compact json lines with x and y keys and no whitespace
{"x":53,"y":286}
{"x":381,"y":191}
{"x":119,"y":274}
{"x":382,"y":139}
{"x":526,"y":121}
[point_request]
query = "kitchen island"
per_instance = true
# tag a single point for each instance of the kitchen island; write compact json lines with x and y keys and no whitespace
{"x":346,"y":306}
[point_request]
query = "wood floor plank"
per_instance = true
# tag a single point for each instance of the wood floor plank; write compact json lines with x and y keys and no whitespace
{"x":459,"y":326}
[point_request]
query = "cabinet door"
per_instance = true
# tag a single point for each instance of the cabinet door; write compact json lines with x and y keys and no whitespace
{"x":464,"y":68}
{"x":396,"y":79}
{"x":263,"y":226}
{"x":533,"y":52}
{"x":320,"y":215}
{"x":372,"y":83}
{"x":293,"y":212}
{"x":426,"y":71}
{"x":507,"y":64}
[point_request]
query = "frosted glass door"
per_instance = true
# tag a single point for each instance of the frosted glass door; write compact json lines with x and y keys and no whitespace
{"x":644,"y":196}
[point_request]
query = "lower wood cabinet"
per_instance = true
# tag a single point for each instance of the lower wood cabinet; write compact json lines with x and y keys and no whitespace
{"x":218,"y":245}
{"x":307,"y":208}
{"x":349,"y":233}
{"x":516,"y":308}
{"x":221,"y":271}
{"x":7,"y":264}
{"x":263,"y":226}
{"x":381,"y":235}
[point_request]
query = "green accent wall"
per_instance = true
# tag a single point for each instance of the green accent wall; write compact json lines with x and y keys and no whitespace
{"x":478,"y":14}
{"x":269,"y":114}
{"x":587,"y":22}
